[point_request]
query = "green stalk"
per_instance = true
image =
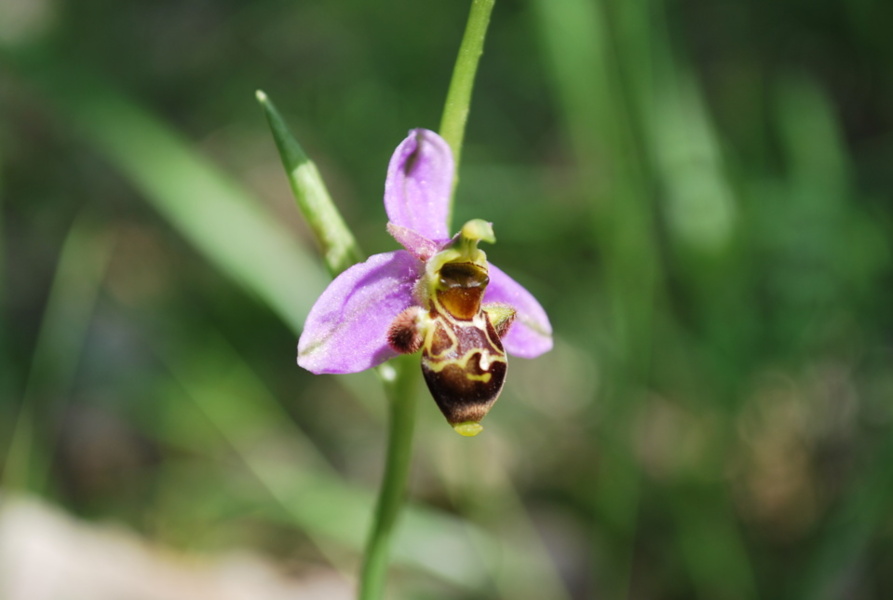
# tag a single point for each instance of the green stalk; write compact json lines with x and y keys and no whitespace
{"x":340,"y":250}
{"x":458,"y":101}
{"x":399,"y":378}
{"x":400,"y":382}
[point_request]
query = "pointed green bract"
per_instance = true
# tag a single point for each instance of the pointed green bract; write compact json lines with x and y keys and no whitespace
{"x":339,"y":247}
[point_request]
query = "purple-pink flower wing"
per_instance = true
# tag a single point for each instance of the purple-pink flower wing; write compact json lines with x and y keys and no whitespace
{"x":419,"y":183}
{"x":417,"y":245}
{"x":346,"y":330}
{"x":531,"y":333}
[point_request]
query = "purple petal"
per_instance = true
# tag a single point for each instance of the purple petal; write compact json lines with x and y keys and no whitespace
{"x":346,"y":330}
{"x":531,"y":333}
{"x":419,"y":183}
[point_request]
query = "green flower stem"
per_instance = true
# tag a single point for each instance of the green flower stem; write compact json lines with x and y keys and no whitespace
{"x":341,"y":251}
{"x":458,"y":101}
{"x":400,"y":377}
{"x":339,"y":247}
{"x":400,"y":380}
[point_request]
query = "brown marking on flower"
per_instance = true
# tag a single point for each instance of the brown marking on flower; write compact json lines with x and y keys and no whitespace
{"x":462,"y":288}
{"x":404,"y":334}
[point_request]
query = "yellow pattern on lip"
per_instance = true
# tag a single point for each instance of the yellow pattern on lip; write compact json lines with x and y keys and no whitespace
{"x":463,"y":360}
{"x":483,"y":377}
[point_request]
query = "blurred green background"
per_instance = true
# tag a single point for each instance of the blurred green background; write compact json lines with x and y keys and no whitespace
{"x":699,"y":193}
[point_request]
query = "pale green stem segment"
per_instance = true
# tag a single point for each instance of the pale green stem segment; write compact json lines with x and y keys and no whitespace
{"x":400,"y":377}
{"x":339,"y":247}
{"x":458,"y":101}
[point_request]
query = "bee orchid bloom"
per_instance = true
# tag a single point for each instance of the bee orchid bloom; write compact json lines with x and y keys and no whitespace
{"x":439,"y":295}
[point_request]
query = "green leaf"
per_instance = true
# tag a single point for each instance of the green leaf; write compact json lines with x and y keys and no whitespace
{"x":210,"y":210}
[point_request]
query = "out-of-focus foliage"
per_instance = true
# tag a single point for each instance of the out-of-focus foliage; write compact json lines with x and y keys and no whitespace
{"x":699,"y":193}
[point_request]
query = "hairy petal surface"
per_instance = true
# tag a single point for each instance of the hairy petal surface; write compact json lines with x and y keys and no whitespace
{"x":346,"y":330}
{"x":417,"y":245}
{"x":531,"y":333}
{"x":419,"y":183}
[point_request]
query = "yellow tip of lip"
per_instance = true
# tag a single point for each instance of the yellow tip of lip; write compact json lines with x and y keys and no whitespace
{"x":468,"y":428}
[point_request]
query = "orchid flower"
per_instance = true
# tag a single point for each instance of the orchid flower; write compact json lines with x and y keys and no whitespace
{"x":439,"y":295}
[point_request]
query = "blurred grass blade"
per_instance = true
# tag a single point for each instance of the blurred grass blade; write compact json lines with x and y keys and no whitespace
{"x":6,"y":368}
{"x":813,"y":140}
{"x":82,"y":265}
{"x":210,"y":210}
{"x":700,"y":208}
{"x":218,"y":217}
{"x":844,"y":546}
{"x":585,"y":66}
{"x":576,"y":45}
{"x":246,"y":419}
{"x":493,"y":499}
{"x":711,"y":544}
{"x":340,"y":249}
{"x":600,"y":124}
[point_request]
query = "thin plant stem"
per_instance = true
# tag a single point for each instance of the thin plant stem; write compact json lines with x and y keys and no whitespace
{"x":340,"y":249}
{"x":401,"y":384}
{"x":399,"y":377}
{"x":400,"y":381}
{"x":458,"y":101}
